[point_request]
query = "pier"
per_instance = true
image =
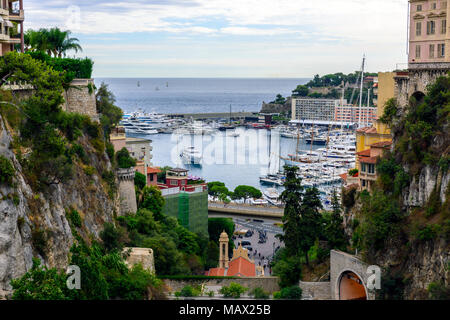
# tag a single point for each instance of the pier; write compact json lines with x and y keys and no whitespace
{"x":210,"y":116}
{"x":245,"y":210}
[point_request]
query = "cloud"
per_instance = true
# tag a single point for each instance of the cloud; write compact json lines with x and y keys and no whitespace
{"x":256,"y":36}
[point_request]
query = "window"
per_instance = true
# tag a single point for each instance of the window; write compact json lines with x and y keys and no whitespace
{"x":363,"y":167}
{"x":418,"y":28}
{"x":444,"y":5}
{"x":433,"y":6}
{"x":418,"y":51}
{"x":173,"y":182}
{"x":444,"y":27}
{"x":431,"y":54}
{"x":419,"y":7}
{"x":441,"y":50}
{"x":431,"y":27}
{"x":371,"y":168}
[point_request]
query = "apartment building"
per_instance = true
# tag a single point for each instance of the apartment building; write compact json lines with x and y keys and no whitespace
{"x":11,"y":25}
{"x":429,"y":36}
{"x":350,"y":114}
{"x":310,"y":109}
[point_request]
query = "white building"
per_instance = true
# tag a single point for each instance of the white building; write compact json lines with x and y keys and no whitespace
{"x":309,"y":109}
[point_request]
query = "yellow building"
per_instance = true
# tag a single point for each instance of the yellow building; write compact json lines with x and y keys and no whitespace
{"x":378,"y":132}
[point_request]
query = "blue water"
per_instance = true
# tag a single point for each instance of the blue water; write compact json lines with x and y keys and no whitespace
{"x":234,"y":161}
{"x":197,"y":95}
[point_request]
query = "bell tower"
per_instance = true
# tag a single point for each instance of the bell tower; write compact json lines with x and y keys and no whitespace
{"x":223,"y":246}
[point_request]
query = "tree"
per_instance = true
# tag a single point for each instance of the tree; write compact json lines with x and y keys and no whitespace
{"x":140,"y":180}
{"x":310,"y":227}
{"x":300,"y":91}
{"x":213,"y":184}
{"x":110,"y":114}
{"x":279,"y":100}
{"x":41,"y":283}
{"x":153,"y":200}
{"x":124,"y":160}
{"x":292,"y":198}
{"x":245,"y":192}
{"x":52,"y":41}
{"x":334,"y":230}
{"x":287,"y":268}
{"x":234,"y":290}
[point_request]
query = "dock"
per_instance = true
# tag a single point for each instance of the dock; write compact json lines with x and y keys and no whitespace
{"x":211,"y":116}
{"x":246,"y":210}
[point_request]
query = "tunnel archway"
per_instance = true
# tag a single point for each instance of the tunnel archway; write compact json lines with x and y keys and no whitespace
{"x":351,"y":287}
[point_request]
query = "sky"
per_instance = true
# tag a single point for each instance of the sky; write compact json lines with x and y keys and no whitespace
{"x":229,"y":38}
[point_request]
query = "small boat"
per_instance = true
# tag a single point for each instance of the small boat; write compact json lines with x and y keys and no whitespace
{"x":272,"y":196}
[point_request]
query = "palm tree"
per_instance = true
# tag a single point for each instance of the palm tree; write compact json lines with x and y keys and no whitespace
{"x":52,"y":41}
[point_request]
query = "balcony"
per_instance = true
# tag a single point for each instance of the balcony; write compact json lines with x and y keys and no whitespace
{"x":16,"y":15}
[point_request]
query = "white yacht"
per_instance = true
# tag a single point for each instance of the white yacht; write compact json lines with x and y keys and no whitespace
{"x":191,"y":155}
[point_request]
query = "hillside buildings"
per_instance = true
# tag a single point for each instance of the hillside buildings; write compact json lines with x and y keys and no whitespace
{"x":140,"y":149}
{"x":329,"y":111}
{"x":11,"y":25}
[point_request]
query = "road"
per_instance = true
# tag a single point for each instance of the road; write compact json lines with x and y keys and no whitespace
{"x":257,"y":211}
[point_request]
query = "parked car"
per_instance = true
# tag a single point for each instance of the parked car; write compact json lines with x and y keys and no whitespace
{"x":246,"y":243}
{"x":248,"y":248}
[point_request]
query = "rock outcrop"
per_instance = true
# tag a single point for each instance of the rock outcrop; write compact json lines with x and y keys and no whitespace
{"x":34,"y":224}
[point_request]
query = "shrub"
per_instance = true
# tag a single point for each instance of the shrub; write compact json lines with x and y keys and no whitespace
{"x":110,"y":151}
{"x":188,"y":291}
{"x":290,"y":293}
{"x":6,"y":170}
{"x":438,"y":291}
{"x":39,"y":240}
{"x":111,"y":237}
{"x":259,"y":293}
{"x":89,"y":170}
{"x":110,"y":179}
{"x":81,"y":153}
{"x":288,"y":269}
{"x":74,"y":218}
{"x":427,"y":233}
{"x":124,"y":160}
{"x":234,"y":290}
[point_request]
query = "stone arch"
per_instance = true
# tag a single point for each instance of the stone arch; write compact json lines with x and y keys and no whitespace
{"x":350,"y":286}
{"x":418,"y":96}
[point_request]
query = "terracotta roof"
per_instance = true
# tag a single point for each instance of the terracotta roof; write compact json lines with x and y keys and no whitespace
{"x":153,"y":170}
{"x":343,"y":176}
{"x":218,"y":272}
{"x":370,"y":160}
{"x":382,"y":144}
{"x":241,"y":267}
{"x":364,"y":153}
{"x":367,"y":130}
{"x":178,"y":170}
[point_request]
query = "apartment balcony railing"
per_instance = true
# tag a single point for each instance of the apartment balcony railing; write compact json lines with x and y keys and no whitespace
{"x":17,"y":15}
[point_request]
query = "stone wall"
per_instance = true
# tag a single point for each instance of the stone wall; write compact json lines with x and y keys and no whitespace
{"x":127,"y":191}
{"x":417,"y":79}
{"x":269,"y":284}
{"x":79,"y":98}
{"x":316,"y":290}
{"x":144,"y":256}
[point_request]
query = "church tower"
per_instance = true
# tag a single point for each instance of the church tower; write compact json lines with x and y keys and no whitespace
{"x":223,"y":245}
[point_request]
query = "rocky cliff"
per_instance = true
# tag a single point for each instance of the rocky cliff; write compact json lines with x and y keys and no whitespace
{"x":35,"y":224}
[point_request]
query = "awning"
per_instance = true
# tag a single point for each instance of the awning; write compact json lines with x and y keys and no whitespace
{"x":9,"y":24}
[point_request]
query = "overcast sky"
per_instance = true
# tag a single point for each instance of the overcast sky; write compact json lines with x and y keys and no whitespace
{"x":230,"y":38}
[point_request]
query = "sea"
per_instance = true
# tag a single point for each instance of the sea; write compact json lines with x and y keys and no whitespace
{"x":234,"y":161}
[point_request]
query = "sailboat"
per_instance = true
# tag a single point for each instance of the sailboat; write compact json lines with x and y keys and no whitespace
{"x":273,"y":177}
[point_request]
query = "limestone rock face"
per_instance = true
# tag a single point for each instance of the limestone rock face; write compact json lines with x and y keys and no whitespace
{"x":23,"y":212}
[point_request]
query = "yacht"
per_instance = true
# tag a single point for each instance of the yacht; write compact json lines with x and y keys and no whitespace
{"x":272,"y":196}
{"x":191,"y":155}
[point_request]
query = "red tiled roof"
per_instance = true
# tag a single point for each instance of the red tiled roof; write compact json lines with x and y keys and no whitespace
{"x":241,"y":267}
{"x":364,"y":153}
{"x":370,"y":160}
{"x":218,"y":272}
{"x":343,"y":176}
{"x":382,"y":144}
{"x":153,"y":170}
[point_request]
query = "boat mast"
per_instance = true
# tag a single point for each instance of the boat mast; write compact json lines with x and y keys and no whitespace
{"x":368,"y":106}
{"x":342,"y":106}
{"x":361,"y":90}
